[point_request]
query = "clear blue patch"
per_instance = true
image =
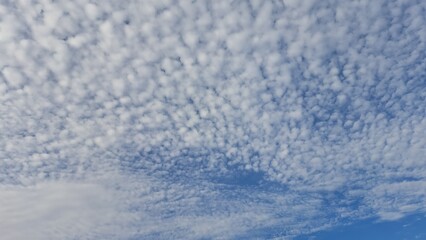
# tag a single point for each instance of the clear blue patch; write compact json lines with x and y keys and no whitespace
{"x":242,"y":178}
{"x":408,"y":228}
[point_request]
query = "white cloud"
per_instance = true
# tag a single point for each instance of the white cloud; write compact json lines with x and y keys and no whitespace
{"x":57,"y":210}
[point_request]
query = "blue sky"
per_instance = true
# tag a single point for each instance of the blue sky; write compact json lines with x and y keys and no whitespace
{"x":410,"y":227}
{"x":164,"y":119}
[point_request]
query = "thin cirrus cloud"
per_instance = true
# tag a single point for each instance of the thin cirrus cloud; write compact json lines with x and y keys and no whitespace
{"x":209,"y":119}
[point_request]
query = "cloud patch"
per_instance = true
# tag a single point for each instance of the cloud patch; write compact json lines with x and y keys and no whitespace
{"x":58,"y":209}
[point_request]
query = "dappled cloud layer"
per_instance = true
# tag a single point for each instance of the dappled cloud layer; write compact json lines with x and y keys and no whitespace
{"x":209,"y":119}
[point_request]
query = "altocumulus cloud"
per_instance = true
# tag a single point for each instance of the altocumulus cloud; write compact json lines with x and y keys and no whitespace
{"x":209,"y":119}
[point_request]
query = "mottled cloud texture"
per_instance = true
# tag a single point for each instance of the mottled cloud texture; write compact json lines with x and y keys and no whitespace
{"x":209,"y":119}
